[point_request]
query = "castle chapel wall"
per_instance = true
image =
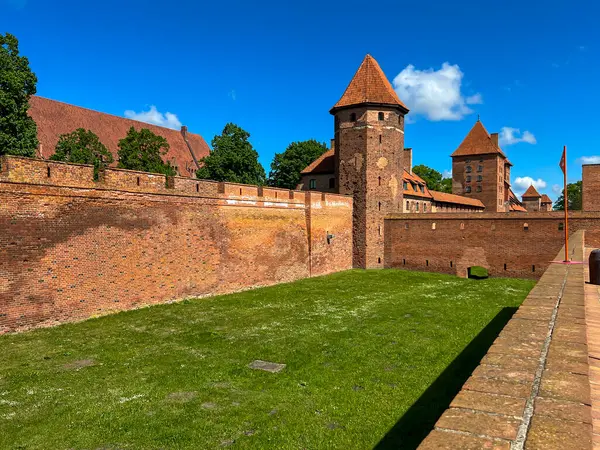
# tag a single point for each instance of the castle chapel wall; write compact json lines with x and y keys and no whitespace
{"x":73,"y":248}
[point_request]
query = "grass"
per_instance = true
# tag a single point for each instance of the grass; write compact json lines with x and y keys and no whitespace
{"x":363,"y":351}
{"x":478,"y":272}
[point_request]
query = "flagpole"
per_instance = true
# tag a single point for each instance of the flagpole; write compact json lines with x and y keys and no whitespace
{"x":566,"y":202}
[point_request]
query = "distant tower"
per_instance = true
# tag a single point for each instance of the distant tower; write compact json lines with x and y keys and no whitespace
{"x":532,"y":200}
{"x":369,"y":143}
{"x":481,"y":170}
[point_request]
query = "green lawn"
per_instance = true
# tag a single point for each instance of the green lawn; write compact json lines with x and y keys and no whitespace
{"x":361,"y":347}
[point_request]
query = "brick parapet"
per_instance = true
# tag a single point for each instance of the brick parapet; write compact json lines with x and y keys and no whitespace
{"x":531,"y":390}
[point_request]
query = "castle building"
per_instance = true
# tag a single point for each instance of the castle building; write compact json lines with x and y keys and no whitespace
{"x":368,"y":160}
{"x":55,"y":118}
{"x":546,"y":203}
{"x":536,"y":202}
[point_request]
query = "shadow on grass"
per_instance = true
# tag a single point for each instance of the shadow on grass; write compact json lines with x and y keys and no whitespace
{"x":420,"y":418}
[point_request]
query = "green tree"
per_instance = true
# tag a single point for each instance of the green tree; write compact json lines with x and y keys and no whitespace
{"x":18,"y":132}
{"x":82,"y":147}
{"x":286,"y":166}
{"x":433,"y":178}
{"x":143,"y":150}
{"x":574,"y":196}
{"x":232,"y":159}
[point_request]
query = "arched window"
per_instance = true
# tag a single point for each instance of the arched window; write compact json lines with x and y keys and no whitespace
{"x":381,"y":116}
{"x":407,"y":205}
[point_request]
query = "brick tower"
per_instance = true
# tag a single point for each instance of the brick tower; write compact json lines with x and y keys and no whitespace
{"x":532,"y":199}
{"x":369,"y":143}
{"x":481,"y":170}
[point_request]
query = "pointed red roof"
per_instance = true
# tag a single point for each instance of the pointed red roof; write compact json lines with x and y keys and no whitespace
{"x":546,"y":199}
{"x":477,"y":142}
{"x":323,"y":164}
{"x":369,"y":85}
{"x":531,"y":192}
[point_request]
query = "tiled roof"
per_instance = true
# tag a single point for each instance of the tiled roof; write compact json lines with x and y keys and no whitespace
{"x":516,"y":207}
{"x":546,"y":199}
{"x":531,"y":192}
{"x":457,"y":199}
{"x":413,"y":185}
{"x":369,"y":85}
{"x":322,"y":165}
{"x":54,"y":118}
{"x":477,"y":142}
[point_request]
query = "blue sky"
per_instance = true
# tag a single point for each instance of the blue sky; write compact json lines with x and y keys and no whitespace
{"x":276,"y":68}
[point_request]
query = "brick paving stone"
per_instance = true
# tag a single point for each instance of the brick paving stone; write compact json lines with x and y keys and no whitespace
{"x":499,"y":404}
{"x":510,"y":361}
{"x":565,"y":386}
{"x":546,"y":433}
{"x":503,"y":373}
{"x":444,"y":440}
{"x":502,"y":387}
{"x":563,"y":410}
{"x":479,"y":423}
{"x":568,"y":350}
{"x":567,"y":365}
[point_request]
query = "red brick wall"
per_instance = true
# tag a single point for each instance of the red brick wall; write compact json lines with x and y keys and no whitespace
{"x":591,"y":187}
{"x":74,"y":248}
{"x":492,"y":179}
{"x":450,"y":243}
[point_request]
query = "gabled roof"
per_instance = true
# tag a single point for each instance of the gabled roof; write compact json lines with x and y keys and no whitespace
{"x":477,"y":142}
{"x":324,"y":164}
{"x":54,"y":118}
{"x":414,"y":184}
{"x":443,"y":197}
{"x":546,"y":199}
{"x":369,"y":85}
{"x":531,"y":192}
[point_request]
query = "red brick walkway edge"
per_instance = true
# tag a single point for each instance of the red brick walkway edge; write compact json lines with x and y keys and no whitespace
{"x":532,"y":389}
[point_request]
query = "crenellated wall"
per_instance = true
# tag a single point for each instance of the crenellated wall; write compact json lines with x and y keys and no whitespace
{"x":508,"y":245}
{"x":73,"y":248}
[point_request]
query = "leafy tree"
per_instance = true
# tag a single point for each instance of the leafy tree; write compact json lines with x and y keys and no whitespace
{"x":574,"y":196}
{"x":232,"y":159}
{"x":18,"y":132}
{"x":143,"y":150}
{"x":286,"y":166}
{"x":82,"y":147}
{"x":433,"y":178}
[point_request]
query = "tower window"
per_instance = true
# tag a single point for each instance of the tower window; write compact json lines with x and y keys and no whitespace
{"x":312,"y":184}
{"x":405,"y":185}
{"x":479,"y":168}
{"x":380,"y":139}
{"x":331,"y":183}
{"x":468,"y":169}
{"x":478,"y":188}
{"x":468,"y":189}
{"x":381,"y":116}
{"x":353,"y":117}
{"x":468,"y":178}
{"x":479,"y":178}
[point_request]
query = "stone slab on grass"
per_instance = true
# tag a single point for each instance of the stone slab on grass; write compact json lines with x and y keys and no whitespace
{"x":266,"y":366}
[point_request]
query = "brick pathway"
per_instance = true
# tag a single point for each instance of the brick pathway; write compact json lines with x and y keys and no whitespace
{"x":531,"y":390}
{"x":592,"y":316}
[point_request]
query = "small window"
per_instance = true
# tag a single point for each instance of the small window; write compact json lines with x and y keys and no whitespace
{"x":468,"y":178}
{"x":407,"y":205}
{"x":379,"y":180}
{"x":424,"y":207}
{"x":312,"y":184}
{"x":468,"y":189}
{"x":138,"y":181}
{"x":417,"y":206}
{"x":353,"y":117}
{"x":405,"y":185}
{"x":331,"y":183}
{"x":479,"y":168}
{"x":468,"y":169}
{"x":479,"y":178}
{"x":468,"y":161}
{"x":381,"y":116}
{"x":380,"y":139}
{"x":423,"y":189}
{"x":478,"y":188}
{"x":48,"y":172}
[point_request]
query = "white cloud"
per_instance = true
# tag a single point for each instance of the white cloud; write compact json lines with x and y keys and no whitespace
{"x":155,"y":117}
{"x":435,"y":94}
{"x":589,"y":160}
{"x":447,"y":174}
{"x":557,"y":189}
{"x":510,"y":136}
{"x":522,"y":183}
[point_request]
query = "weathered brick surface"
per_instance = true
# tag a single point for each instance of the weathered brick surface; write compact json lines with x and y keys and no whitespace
{"x":590,"y":187}
{"x":72,"y":248}
{"x":515,"y":245}
{"x":532,"y":388}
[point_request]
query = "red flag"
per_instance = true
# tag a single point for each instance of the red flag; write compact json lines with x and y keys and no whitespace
{"x":563,"y":161}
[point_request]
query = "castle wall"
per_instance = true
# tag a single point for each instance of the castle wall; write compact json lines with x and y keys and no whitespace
{"x":507,"y":245}
{"x":590,"y":187}
{"x":72,"y":248}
